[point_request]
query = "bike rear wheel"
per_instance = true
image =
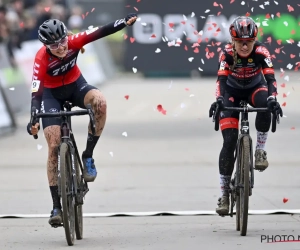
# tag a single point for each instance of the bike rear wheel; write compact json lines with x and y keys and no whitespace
{"x":244,"y":180}
{"x":66,"y":184}
{"x":78,"y":207}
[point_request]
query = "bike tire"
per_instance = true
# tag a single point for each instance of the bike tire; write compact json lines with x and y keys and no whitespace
{"x":66,"y":193}
{"x":237,"y":215}
{"x":78,"y":208}
{"x":244,"y":177}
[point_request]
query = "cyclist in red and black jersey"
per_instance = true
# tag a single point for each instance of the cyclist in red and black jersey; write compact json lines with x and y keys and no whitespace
{"x":56,"y":79}
{"x":245,"y":73}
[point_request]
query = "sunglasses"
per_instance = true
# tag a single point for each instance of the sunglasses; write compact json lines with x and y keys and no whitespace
{"x":244,"y":41}
{"x":55,"y":46}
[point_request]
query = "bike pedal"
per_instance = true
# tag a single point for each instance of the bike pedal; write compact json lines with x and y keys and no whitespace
{"x":56,"y":225}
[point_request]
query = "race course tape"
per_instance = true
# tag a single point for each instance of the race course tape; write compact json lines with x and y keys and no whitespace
{"x":157,"y":213}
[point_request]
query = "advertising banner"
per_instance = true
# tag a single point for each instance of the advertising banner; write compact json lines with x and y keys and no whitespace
{"x":183,"y":36}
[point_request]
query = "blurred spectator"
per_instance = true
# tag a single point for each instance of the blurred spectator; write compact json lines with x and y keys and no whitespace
{"x":75,"y":21}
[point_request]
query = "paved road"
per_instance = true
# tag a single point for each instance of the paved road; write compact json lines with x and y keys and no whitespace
{"x":165,"y":163}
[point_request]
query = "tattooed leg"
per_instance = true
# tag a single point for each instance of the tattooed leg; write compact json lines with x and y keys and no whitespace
{"x":98,"y":103}
{"x":52,"y":135}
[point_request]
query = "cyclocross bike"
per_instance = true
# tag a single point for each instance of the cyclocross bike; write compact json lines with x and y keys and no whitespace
{"x":71,"y":185}
{"x":242,"y":183}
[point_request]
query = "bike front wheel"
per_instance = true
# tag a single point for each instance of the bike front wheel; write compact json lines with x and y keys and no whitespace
{"x":66,"y":185}
{"x":244,"y":180}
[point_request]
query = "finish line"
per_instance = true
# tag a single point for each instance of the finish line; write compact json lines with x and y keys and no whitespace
{"x":157,"y":213}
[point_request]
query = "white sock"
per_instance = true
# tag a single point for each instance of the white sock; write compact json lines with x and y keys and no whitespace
{"x":261,"y":140}
{"x":224,"y":182}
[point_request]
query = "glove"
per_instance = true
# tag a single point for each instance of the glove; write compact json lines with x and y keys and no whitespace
{"x":219,"y":103}
{"x":130,"y":16}
{"x":274,"y":106}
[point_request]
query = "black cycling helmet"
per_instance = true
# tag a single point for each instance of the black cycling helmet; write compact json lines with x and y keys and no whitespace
{"x":52,"y":31}
{"x":243,"y":27}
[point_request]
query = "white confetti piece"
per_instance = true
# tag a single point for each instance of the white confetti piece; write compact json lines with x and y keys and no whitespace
{"x":298,"y":44}
{"x":200,"y":69}
{"x":12,"y":88}
{"x":124,"y":134}
{"x":288,"y":93}
{"x":289,"y":66}
{"x":192,"y":95}
{"x":200,"y":32}
{"x":208,"y":10}
{"x":134,"y":58}
{"x":242,"y":3}
{"x":184,"y":18}
{"x":202,"y":61}
{"x":265,"y":23}
{"x":285,"y":23}
{"x":184,"y":33}
{"x":182,"y":105}
{"x":261,"y":6}
{"x":224,"y":25}
{"x":193,"y":14}
{"x":138,"y":19}
{"x":162,"y":38}
{"x":134,"y":70}
{"x":111,"y":154}
{"x":144,"y":24}
{"x":203,"y":17}
{"x":157,"y":50}
{"x":252,"y":9}
{"x":287,"y":78}
{"x":267,"y":3}
{"x":276,"y":2}
{"x":166,"y":38}
{"x":39,"y":147}
{"x":191,"y":59}
{"x":172,"y":43}
{"x":284,"y":116}
{"x":272,"y":15}
{"x":170,"y":86}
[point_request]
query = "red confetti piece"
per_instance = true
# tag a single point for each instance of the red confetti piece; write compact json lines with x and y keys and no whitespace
{"x":278,"y":14}
{"x":138,"y":1}
{"x":283,"y":85}
{"x":231,"y":99}
{"x":284,"y":95}
{"x":153,"y":36}
{"x":293,"y":32}
{"x":283,"y":104}
{"x":92,"y":9}
{"x":86,"y":14}
{"x":136,"y":9}
{"x":221,"y":6}
{"x":218,"y":43}
{"x":219,"y":49}
{"x":211,"y":54}
{"x":132,"y":39}
{"x":47,"y":9}
{"x":248,"y":14}
{"x":268,"y":16}
{"x":183,"y":22}
{"x":219,"y":13}
{"x":127,"y":6}
{"x":232,"y":1}
{"x":21,"y":25}
{"x":216,"y":4}
{"x":277,"y":50}
{"x":292,"y":56}
{"x":82,"y":15}
{"x":196,"y":50}
{"x":285,"y":200}
{"x":269,"y":39}
{"x":161,"y":109}
{"x":279,"y":42}
{"x":290,"y":8}
{"x":187,"y":89}
{"x":171,"y":25}
{"x":293,"y":128}
{"x":185,"y":47}
{"x":125,"y":36}
{"x":126,"y":97}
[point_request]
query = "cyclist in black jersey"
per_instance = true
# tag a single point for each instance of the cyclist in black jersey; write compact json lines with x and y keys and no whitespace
{"x":245,"y":72}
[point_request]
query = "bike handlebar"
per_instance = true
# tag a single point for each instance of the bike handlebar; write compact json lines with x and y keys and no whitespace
{"x":216,"y":118}
{"x":88,"y":111}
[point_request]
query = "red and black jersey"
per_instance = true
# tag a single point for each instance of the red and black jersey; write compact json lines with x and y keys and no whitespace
{"x":248,"y":71}
{"x":51,"y":72}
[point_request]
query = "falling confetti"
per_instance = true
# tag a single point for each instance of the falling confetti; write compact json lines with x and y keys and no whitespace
{"x":134,"y":70}
{"x":134,"y":58}
{"x":12,"y":88}
{"x":144,"y":24}
{"x":126,"y":97}
{"x":39,"y":147}
{"x":200,"y":69}
{"x":157,"y":50}
{"x":124,"y":134}
{"x":161,"y":109}
{"x":92,"y":9}
{"x":170,"y":86}
{"x":191,"y":59}
{"x":111,"y":154}
{"x":285,"y":200}
{"x":132,"y":39}
{"x":47,"y":9}
{"x":193,"y":14}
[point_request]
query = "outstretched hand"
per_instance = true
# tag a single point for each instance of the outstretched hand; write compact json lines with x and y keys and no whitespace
{"x":130,"y":19}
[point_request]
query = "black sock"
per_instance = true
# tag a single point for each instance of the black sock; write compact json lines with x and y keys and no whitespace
{"x":90,"y":145}
{"x":55,"y":197}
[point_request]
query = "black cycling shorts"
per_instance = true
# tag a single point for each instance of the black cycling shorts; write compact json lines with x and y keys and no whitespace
{"x":54,"y":98}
